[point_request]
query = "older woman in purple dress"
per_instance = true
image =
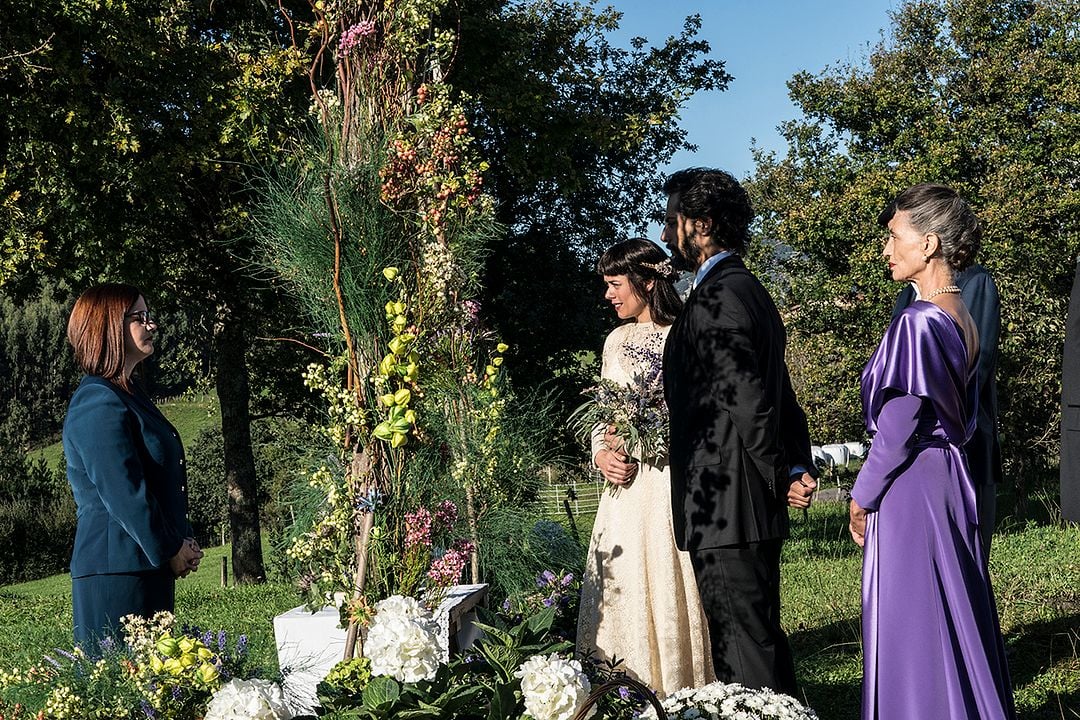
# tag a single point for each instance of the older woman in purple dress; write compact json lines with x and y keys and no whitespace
{"x":932,"y":645}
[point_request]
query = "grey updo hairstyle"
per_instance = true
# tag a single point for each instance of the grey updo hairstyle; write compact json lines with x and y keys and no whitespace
{"x":940,"y":210}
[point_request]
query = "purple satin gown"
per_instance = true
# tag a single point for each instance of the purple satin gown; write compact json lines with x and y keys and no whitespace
{"x":932,"y":644}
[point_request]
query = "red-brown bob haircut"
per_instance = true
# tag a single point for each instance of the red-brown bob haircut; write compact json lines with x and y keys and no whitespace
{"x":96,"y":330}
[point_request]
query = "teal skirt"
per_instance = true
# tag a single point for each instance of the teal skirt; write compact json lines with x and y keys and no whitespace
{"x":99,"y":601}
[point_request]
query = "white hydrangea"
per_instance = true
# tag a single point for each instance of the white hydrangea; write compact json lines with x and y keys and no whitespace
{"x":403,"y":641}
{"x":730,"y":701}
{"x":248,"y":700}
{"x":553,"y":687}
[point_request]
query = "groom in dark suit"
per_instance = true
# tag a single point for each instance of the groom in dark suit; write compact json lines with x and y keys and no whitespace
{"x":739,"y":446}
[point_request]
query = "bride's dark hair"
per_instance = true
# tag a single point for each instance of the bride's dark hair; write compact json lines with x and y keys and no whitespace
{"x":642,"y":260}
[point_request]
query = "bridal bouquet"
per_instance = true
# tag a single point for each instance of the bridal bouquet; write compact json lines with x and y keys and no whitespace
{"x":637,"y":411}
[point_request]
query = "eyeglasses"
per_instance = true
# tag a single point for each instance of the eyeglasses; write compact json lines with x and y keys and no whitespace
{"x":143,"y":316}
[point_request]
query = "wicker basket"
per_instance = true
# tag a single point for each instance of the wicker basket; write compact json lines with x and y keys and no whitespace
{"x":628,"y":682}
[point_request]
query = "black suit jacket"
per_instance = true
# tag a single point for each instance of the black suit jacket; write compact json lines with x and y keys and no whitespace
{"x":1070,"y":409}
{"x":736,"y":428}
{"x":980,"y":295}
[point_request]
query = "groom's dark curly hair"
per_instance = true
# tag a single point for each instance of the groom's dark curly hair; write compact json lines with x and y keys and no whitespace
{"x":718,"y":196}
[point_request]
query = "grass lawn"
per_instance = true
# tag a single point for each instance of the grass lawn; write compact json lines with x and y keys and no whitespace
{"x":1036,"y":572}
{"x":35,"y":617}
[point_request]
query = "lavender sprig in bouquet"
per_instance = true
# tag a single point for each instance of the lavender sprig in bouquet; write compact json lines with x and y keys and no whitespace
{"x":637,"y":411}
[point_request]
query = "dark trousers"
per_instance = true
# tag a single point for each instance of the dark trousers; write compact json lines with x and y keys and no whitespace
{"x":740,"y":591}
{"x":986,"y":507}
{"x":99,"y":601}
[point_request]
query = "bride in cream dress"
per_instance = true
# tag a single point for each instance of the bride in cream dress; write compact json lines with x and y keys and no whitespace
{"x":639,"y":600}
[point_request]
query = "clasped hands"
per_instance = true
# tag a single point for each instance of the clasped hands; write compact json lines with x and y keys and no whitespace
{"x":187,"y":560}
{"x":614,"y":464}
{"x":618,"y":469}
{"x":801,"y":490}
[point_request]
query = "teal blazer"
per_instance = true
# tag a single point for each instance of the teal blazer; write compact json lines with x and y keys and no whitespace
{"x":126,"y":467}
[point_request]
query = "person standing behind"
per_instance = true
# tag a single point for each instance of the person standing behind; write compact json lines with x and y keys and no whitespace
{"x":932,"y":646}
{"x":980,"y":296}
{"x":1070,"y":408}
{"x":739,"y":439}
{"x":125,"y":464}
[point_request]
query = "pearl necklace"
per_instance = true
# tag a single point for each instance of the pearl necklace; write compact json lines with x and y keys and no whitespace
{"x":942,"y":291}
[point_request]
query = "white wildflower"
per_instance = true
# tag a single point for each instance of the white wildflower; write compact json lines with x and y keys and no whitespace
{"x":731,"y":701}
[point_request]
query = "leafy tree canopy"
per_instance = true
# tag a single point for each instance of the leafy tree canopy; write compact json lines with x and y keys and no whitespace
{"x":575,"y":130}
{"x":982,"y":95}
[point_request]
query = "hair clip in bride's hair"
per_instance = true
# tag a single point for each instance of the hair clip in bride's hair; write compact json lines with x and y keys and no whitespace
{"x":662,"y":268}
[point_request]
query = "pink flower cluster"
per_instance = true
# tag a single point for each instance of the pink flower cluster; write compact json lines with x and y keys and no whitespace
{"x":354,"y":35}
{"x":446,"y":515}
{"x":422,"y":525}
{"x":446,"y":570}
{"x":418,"y":529}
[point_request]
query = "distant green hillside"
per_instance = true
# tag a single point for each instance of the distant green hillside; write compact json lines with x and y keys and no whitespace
{"x":189,"y":415}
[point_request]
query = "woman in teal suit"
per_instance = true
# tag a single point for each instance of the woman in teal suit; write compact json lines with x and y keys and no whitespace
{"x":126,"y":467}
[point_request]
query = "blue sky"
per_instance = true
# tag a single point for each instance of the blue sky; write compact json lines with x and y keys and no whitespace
{"x":763,"y":43}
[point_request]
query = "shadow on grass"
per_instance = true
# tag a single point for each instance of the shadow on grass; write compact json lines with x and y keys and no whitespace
{"x":1044,"y":664}
{"x":829,"y":666}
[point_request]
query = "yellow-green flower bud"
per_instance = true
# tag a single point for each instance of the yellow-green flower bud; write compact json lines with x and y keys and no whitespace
{"x":387,"y":399}
{"x":386,"y":365}
{"x":382,"y":431}
{"x":168,"y":646}
{"x":402,"y":396}
{"x":410,"y":417}
{"x":502,"y":347}
{"x":390,"y":273}
{"x":398,"y":440}
{"x":207,"y":674}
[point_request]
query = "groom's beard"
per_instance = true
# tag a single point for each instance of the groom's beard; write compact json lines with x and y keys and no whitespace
{"x":686,"y":256}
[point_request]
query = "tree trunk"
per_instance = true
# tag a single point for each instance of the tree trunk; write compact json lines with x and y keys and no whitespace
{"x":241,"y":482}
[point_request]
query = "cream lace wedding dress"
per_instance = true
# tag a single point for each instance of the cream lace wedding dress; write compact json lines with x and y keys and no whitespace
{"x":639,"y":600}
